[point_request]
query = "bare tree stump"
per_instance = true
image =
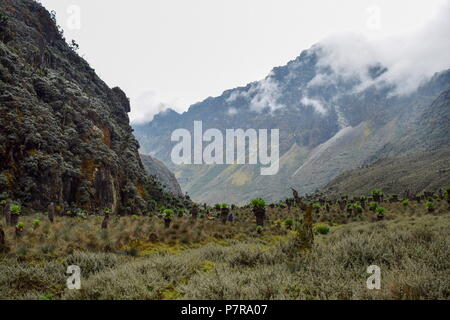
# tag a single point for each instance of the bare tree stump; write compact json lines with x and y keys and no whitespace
{"x":7,"y":211}
{"x":105,"y":221}
{"x":2,"y":238}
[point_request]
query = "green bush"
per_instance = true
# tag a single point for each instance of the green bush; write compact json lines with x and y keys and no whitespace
{"x":357,"y":206}
{"x":322,"y":229}
{"x":373,"y":206}
{"x":380,"y":210}
{"x":377,"y":192}
{"x":16,"y":209}
{"x":258,"y":203}
{"x":168,"y":213}
{"x":180,"y":212}
{"x":405,"y":202}
{"x":288,"y":223}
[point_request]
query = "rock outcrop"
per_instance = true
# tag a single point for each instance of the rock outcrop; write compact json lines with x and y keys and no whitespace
{"x":166,"y":177}
{"x":64,"y":134}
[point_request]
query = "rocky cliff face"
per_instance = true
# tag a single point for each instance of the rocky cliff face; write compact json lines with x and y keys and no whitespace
{"x":64,"y":134}
{"x":328,"y":124}
{"x":166,"y":177}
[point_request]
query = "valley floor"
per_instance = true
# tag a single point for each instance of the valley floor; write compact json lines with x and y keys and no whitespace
{"x":411,"y":246}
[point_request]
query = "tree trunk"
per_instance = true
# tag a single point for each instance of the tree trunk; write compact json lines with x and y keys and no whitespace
{"x":260,"y":215}
{"x":51,"y":212}
{"x":13,"y":220}
{"x":105,"y":222}
{"x":194,"y":212}
{"x":167,"y":222}
{"x":2,"y":238}
{"x":18,"y":232}
{"x":224,"y":215}
{"x":7,"y":212}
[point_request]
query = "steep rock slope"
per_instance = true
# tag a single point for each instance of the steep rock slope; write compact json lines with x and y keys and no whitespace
{"x":328,"y":124}
{"x":64,"y":134}
{"x":166,"y":177}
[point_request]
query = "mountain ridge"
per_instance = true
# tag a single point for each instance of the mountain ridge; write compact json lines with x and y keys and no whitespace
{"x":309,"y":111}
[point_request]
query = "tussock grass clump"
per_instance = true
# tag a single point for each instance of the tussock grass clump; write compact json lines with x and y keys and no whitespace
{"x":322,"y":229}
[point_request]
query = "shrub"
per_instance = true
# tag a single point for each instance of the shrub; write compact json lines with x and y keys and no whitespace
{"x":5,"y":32}
{"x":180,"y":212}
{"x":358,"y":208}
{"x":16,"y":209}
{"x":373,"y":206}
{"x":377,"y":192}
{"x":380,"y":213}
{"x":20,"y":225}
{"x":258,"y":203}
{"x":224,"y":206}
{"x":405,"y":202}
{"x":259,"y":229}
{"x":152,"y":205}
{"x":289,"y":223}
{"x":168,"y":213}
{"x":322,"y":229}
{"x":36,"y":223}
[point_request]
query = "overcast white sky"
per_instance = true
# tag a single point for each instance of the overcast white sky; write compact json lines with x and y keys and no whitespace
{"x":178,"y":52}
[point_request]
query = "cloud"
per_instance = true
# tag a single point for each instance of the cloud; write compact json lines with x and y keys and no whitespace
{"x":410,"y":58}
{"x":316,"y":104}
{"x":266,"y":95}
{"x":261,"y":95}
{"x":147,"y":105}
{"x":232,"y":111}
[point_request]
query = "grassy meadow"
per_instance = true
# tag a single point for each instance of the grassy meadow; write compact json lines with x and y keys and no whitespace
{"x":137,"y":257}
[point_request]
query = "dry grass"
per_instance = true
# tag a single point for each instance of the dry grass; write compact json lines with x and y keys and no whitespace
{"x":136,"y":258}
